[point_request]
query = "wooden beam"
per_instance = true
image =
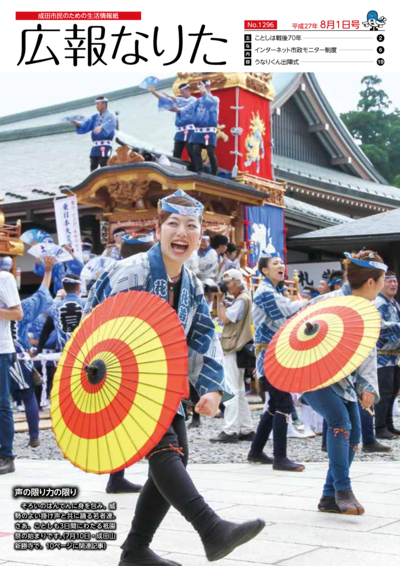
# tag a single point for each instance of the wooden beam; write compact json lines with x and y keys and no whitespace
{"x":341,"y":160}
{"x":321,"y":127}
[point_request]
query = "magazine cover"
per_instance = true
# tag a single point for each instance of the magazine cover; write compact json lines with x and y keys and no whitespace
{"x":199,"y":251}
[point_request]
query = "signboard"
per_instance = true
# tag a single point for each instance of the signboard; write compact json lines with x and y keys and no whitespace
{"x":312,"y":273}
{"x":67,"y":221}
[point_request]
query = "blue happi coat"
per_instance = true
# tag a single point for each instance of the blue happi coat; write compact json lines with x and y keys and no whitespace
{"x":270,"y":311}
{"x":208,"y":264}
{"x":66,"y":315}
{"x":32,"y":307}
{"x":108,"y":123}
{"x":113,"y":252}
{"x":184,"y":120}
{"x":59,"y":271}
{"x":389,"y":338}
{"x":205,"y":114}
{"x":365,"y":378}
{"x":35,"y":327}
{"x":146,"y":272}
{"x":87,"y":256}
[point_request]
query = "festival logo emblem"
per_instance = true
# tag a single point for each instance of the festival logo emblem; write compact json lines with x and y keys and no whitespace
{"x":270,"y":246}
{"x":70,"y":315}
{"x":373,"y":22}
{"x":254,"y":142}
{"x":258,"y":241}
{"x":261,"y":239}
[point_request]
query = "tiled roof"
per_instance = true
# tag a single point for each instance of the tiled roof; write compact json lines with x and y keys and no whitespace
{"x":42,"y":163}
{"x":333,"y":180}
{"x":309,"y":210}
{"x":43,"y":157}
{"x":384,"y":224}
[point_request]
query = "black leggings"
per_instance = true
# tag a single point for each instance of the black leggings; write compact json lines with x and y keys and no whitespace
{"x":280,"y":406}
{"x":97,"y":162}
{"x":168,"y":484}
{"x":389,"y":384}
{"x":179,"y":146}
{"x":197,"y":159}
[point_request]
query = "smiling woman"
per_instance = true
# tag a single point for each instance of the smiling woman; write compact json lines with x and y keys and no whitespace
{"x":161,"y":272}
{"x":270,"y":311}
{"x":179,"y":234}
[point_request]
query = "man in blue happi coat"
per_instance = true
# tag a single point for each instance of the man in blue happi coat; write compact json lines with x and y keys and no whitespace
{"x":388,"y":358}
{"x":67,"y":312}
{"x":64,"y":316}
{"x":87,"y":247}
{"x":205,"y":114}
{"x":102,"y":126}
{"x":22,"y":369}
{"x":183,"y":121}
{"x":60,"y":270}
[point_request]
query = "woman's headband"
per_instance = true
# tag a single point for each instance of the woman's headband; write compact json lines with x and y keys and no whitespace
{"x":194,"y":208}
{"x":366,"y":262}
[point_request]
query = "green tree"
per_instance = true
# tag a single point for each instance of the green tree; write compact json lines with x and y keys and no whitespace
{"x":377,"y":129}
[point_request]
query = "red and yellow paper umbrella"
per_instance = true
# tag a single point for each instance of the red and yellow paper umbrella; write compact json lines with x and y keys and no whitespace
{"x":322,"y":344}
{"x":119,"y":382}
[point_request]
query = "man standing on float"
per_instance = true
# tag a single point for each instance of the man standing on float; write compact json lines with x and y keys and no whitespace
{"x":102,"y":126}
{"x":183,"y":122}
{"x":205,"y":114}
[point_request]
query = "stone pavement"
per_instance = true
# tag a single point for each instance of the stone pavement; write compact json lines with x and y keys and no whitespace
{"x":296,"y":534}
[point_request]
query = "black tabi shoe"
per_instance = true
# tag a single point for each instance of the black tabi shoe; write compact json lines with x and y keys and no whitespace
{"x":327,"y":504}
{"x":347,"y":503}
{"x":324,"y":449}
{"x":261,"y":458}
{"x":195,"y":423}
{"x":122,"y":485}
{"x":227,"y":536}
{"x":225,"y":438}
{"x":144,"y":557}
{"x":34,"y":443}
{"x":6,"y":465}
{"x":385,"y":434}
{"x":286,"y":465}
{"x":395,"y":431}
{"x":376,"y":447}
{"x":249,"y":437}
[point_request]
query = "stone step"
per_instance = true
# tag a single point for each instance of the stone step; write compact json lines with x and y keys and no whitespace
{"x":44,"y":424}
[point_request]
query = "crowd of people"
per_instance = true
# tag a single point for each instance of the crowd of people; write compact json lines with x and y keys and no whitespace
{"x":227,"y":352}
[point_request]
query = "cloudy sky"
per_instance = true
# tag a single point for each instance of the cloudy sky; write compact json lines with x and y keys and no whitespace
{"x":33,"y":90}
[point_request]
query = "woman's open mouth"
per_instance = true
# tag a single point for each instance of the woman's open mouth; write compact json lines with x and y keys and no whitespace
{"x":180,"y":247}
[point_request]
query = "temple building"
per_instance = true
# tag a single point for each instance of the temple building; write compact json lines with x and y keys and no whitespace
{"x":306,"y":174}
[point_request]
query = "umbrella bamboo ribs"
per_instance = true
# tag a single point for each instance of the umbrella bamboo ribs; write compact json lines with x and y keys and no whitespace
{"x":119,"y":382}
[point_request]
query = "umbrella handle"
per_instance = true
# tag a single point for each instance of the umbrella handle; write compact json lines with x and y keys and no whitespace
{"x":311,"y":328}
{"x":96,"y":371}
